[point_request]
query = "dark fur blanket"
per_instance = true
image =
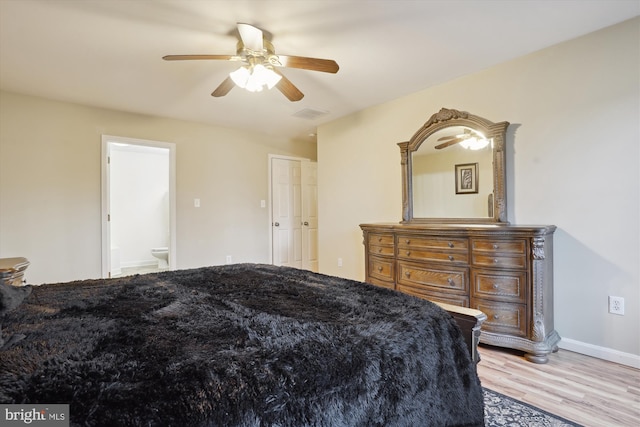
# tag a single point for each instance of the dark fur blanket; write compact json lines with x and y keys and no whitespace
{"x":238,"y":345}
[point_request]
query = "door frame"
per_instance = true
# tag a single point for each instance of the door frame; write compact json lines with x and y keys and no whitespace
{"x":269,"y":202}
{"x":106,"y":194}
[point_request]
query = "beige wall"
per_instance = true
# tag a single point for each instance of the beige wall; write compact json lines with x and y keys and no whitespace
{"x":573,"y":161}
{"x":50,"y":196}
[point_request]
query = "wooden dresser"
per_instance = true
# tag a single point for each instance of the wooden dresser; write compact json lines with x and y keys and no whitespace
{"x":505,"y":271}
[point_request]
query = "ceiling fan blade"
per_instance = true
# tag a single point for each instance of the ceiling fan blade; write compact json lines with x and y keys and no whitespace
{"x":444,"y":138}
{"x":288,"y":89}
{"x":224,"y":88}
{"x":465,"y":135}
{"x":251,"y":37}
{"x":191,"y":57}
{"x":313,"y":64}
{"x":448,"y":143}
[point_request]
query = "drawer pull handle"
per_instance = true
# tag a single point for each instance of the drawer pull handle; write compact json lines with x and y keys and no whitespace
{"x":451,"y":258}
{"x":407,"y":273}
{"x":496,"y":286}
{"x":495,"y":260}
{"x":379,"y":268}
{"x":496,"y":317}
{"x":379,"y":250}
{"x":379,"y":239}
{"x":451,"y":282}
{"x":450,"y":244}
{"x":495,"y":246}
{"x":408,"y":253}
{"x":407,"y":241}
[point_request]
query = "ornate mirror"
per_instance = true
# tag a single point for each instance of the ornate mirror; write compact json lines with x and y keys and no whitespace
{"x":453,"y":170}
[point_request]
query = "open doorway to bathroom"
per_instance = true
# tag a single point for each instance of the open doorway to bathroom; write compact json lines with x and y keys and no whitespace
{"x":138,"y":206}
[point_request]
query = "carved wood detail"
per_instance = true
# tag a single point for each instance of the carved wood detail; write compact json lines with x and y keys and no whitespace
{"x":538,"y":248}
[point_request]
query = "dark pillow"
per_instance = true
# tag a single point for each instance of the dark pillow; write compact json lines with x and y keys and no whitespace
{"x":12,"y":296}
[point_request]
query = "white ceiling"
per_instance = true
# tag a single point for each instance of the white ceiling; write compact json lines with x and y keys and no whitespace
{"x":108,"y":53}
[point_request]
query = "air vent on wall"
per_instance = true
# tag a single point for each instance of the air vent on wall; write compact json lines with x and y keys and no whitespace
{"x":310,"y":113}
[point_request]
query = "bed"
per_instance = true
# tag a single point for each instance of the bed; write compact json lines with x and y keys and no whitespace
{"x":236,"y":345}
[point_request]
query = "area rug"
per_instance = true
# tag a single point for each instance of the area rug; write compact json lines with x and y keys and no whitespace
{"x":504,"y":411}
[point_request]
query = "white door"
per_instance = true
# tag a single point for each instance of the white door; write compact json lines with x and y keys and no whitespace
{"x":310,"y":216}
{"x":294,"y":213}
{"x":286,"y":205}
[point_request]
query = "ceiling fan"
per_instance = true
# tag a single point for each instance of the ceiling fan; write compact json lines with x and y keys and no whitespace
{"x":468,"y":139}
{"x":260,"y":65}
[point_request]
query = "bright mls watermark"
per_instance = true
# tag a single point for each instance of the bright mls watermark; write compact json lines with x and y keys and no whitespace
{"x":34,"y":415}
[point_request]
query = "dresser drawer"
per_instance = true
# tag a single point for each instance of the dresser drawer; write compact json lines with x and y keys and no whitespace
{"x":380,"y":239}
{"x":499,"y":286}
{"x":502,"y":317}
{"x":427,"y":255}
{"x":459,"y":300}
{"x":433,"y":249}
{"x":515,"y":247}
{"x":381,"y":250}
{"x":424,"y":293}
{"x":381,"y":283}
{"x":433,"y":278}
{"x":381,"y":268}
{"x":498,"y":261}
{"x":407,"y":241}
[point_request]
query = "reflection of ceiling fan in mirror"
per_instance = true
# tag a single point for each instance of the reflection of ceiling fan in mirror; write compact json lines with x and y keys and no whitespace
{"x":469,"y":139}
{"x":260,"y":65}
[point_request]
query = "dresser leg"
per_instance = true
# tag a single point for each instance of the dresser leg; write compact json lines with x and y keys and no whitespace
{"x":540,"y":358}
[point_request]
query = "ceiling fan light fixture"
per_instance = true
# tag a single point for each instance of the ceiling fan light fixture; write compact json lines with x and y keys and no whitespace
{"x":255,"y":77}
{"x":265,"y":76}
{"x":240,"y":76}
{"x":474,"y":143}
{"x":259,"y":59}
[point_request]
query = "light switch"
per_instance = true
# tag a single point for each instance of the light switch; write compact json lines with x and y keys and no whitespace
{"x":263,"y":203}
{"x":196,"y":203}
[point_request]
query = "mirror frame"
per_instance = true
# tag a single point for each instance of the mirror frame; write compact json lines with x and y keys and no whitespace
{"x":441,"y":120}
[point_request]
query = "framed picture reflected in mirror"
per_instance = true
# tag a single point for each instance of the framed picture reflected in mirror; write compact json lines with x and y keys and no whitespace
{"x":466,"y":178}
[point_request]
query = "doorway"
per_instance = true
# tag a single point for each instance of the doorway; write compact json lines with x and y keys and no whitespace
{"x":294,"y":212}
{"x":138,"y":206}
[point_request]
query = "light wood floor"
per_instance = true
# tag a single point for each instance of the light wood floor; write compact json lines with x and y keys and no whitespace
{"x":583,"y":389}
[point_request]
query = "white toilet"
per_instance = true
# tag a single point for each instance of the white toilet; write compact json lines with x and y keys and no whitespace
{"x":163,"y":256}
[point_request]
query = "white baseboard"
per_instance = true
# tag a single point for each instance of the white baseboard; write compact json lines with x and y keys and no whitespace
{"x":139,"y":263}
{"x":604,"y":353}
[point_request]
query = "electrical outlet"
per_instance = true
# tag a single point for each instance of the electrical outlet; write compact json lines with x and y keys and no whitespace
{"x":616,"y":305}
{"x":339,"y":262}
{"x":229,"y":259}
